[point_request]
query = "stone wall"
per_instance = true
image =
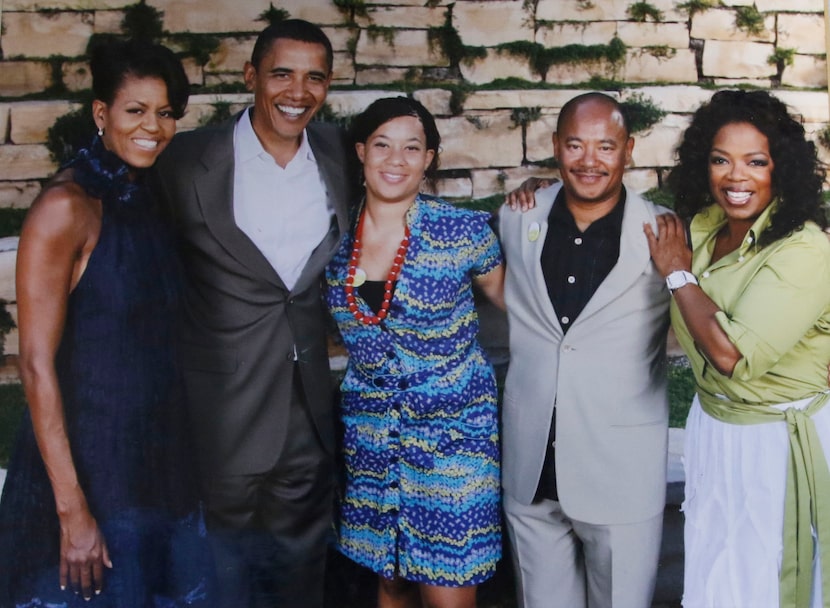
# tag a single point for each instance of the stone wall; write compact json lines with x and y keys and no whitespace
{"x":478,"y":87}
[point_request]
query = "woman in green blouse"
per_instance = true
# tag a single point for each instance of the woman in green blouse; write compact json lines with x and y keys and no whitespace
{"x":751,"y":308}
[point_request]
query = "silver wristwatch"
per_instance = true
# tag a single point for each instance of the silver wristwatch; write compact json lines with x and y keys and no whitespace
{"x":677,"y":279}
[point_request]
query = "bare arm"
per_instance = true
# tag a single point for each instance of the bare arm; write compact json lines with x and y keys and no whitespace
{"x":671,"y":252}
{"x":492,"y":285}
{"x":55,"y":243}
{"x":524,"y":197}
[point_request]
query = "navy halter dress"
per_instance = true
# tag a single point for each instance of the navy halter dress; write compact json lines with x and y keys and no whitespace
{"x":124,"y":417}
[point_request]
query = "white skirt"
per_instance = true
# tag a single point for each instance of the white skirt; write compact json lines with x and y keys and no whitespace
{"x":734,"y":509}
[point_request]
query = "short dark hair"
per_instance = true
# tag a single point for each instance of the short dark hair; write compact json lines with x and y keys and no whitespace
{"x":113,"y":60}
{"x":385,"y":109}
{"x":291,"y":29}
{"x":797,"y":175}
{"x":573,"y":103}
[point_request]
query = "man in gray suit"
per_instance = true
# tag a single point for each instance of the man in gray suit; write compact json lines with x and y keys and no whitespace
{"x":585,"y":413}
{"x":260,"y":203}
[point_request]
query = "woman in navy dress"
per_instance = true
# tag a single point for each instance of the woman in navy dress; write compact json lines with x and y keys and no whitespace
{"x":96,"y":510}
{"x":421,"y":506}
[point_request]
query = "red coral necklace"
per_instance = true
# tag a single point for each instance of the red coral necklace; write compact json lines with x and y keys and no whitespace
{"x":372,"y":319}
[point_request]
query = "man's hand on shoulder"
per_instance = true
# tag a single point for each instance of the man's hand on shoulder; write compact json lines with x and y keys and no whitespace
{"x":523,"y":198}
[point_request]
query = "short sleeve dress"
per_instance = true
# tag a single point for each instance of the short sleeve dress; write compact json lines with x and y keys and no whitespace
{"x":420,"y":446}
{"x":124,"y":418}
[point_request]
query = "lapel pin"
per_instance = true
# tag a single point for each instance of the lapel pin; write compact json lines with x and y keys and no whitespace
{"x":359,"y":277}
{"x":533,"y":232}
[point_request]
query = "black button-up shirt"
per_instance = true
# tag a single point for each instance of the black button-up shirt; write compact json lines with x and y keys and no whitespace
{"x":574,"y":264}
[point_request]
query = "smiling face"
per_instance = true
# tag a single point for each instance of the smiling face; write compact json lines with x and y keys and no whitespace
{"x":740,"y":171}
{"x":592,"y":149}
{"x":290,"y":85}
{"x":139,"y":122}
{"x":394,"y":158}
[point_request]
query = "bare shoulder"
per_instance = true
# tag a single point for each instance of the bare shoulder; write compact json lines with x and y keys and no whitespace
{"x":63,"y":210}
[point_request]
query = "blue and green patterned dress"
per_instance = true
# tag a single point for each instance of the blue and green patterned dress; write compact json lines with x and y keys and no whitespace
{"x":421,"y":449}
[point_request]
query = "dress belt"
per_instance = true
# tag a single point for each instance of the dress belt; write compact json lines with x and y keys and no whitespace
{"x":807,"y":504}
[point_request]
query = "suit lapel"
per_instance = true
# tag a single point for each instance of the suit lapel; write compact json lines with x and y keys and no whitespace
{"x":214,"y":189}
{"x":531,"y":221}
{"x":634,"y":257}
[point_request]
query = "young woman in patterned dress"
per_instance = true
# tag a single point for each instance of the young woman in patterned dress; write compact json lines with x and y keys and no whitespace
{"x":421,"y":500}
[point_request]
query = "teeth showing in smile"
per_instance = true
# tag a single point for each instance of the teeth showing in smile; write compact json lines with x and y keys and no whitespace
{"x":146,"y":144}
{"x":291,"y":111}
{"x":737,"y":198}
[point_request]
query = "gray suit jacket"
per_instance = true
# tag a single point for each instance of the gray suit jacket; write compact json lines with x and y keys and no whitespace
{"x":606,"y":377}
{"x":241,"y":324}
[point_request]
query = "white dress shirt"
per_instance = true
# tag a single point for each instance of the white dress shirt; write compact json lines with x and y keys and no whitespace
{"x":285,"y":212}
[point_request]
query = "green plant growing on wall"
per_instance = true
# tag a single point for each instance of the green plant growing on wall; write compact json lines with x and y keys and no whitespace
{"x":57,"y":88}
{"x":142,"y":21}
{"x":585,"y":5}
{"x":641,"y":112}
{"x":352,"y":8}
{"x":823,"y":137}
{"x":387,"y":34}
{"x":447,"y":39}
{"x":643,"y":11}
{"x":660,"y":52}
{"x":749,"y":19}
{"x":221,"y":113}
{"x":692,"y":7}
{"x":541,"y":58}
{"x":198,"y":46}
{"x":273,"y":15}
{"x":781,"y":58}
{"x":71,"y":132}
{"x":521,"y":117}
{"x":326,"y":114}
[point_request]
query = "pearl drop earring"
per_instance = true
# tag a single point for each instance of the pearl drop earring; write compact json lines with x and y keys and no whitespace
{"x":100,"y":131}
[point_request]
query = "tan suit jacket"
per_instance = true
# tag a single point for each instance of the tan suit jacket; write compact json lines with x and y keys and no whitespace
{"x":606,"y":377}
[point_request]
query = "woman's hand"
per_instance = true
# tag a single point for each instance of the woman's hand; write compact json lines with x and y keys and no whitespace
{"x":524,"y":197}
{"x":83,"y":553}
{"x":669,"y":248}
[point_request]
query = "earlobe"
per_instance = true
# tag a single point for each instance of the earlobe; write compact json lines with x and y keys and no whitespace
{"x":360,"y":148}
{"x":98,"y":111}
{"x":249,"y":75}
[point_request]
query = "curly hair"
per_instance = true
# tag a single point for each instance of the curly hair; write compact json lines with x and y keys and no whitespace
{"x":797,"y":176}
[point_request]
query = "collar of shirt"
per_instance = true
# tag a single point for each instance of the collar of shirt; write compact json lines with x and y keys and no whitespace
{"x":707,"y":222}
{"x":247,"y":146}
{"x":610,"y":224}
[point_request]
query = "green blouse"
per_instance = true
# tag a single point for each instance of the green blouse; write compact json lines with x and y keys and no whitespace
{"x":775,"y":308}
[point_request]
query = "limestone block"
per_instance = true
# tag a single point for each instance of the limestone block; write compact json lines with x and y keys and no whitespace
{"x":45,"y":34}
{"x":414,"y":2}
{"x":810,"y":105}
{"x":232,"y":54}
{"x":108,"y":22}
{"x":677,"y":98}
{"x":8,"y":259}
{"x":520,"y":98}
{"x":477,"y":141}
{"x":640,"y":180}
{"x":794,"y":6}
{"x":437,"y":101}
{"x":23,"y":77}
{"x":642,"y":66}
{"x":655,"y":147}
{"x":408,"y":48}
{"x":806,"y":71}
{"x":487,"y":182}
{"x":18,"y":195}
{"x":737,"y":2}
{"x":737,"y":59}
{"x":340,"y":37}
{"x":211,"y":16}
{"x":563,"y":34}
{"x":76,"y":75}
{"x":674,"y":35}
{"x":497,"y":65}
{"x":194,"y":71}
{"x":5,"y":112}
{"x":493,"y":22}
{"x":580,"y":73}
{"x":72,"y":5}
{"x":378,"y":76}
{"x":719,"y":24}
{"x":26,"y":161}
{"x":802,"y":32}
{"x":349,"y":103}
{"x":31,"y":120}
{"x":539,"y":137}
{"x":227,"y":78}
{"x":730,"y":83}
{"x":393,"y":16}
{"x":455,"y":188}
{"x":201,"y":107}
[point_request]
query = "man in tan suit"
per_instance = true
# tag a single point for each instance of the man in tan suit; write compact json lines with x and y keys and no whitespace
{"x":585,"y":413}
